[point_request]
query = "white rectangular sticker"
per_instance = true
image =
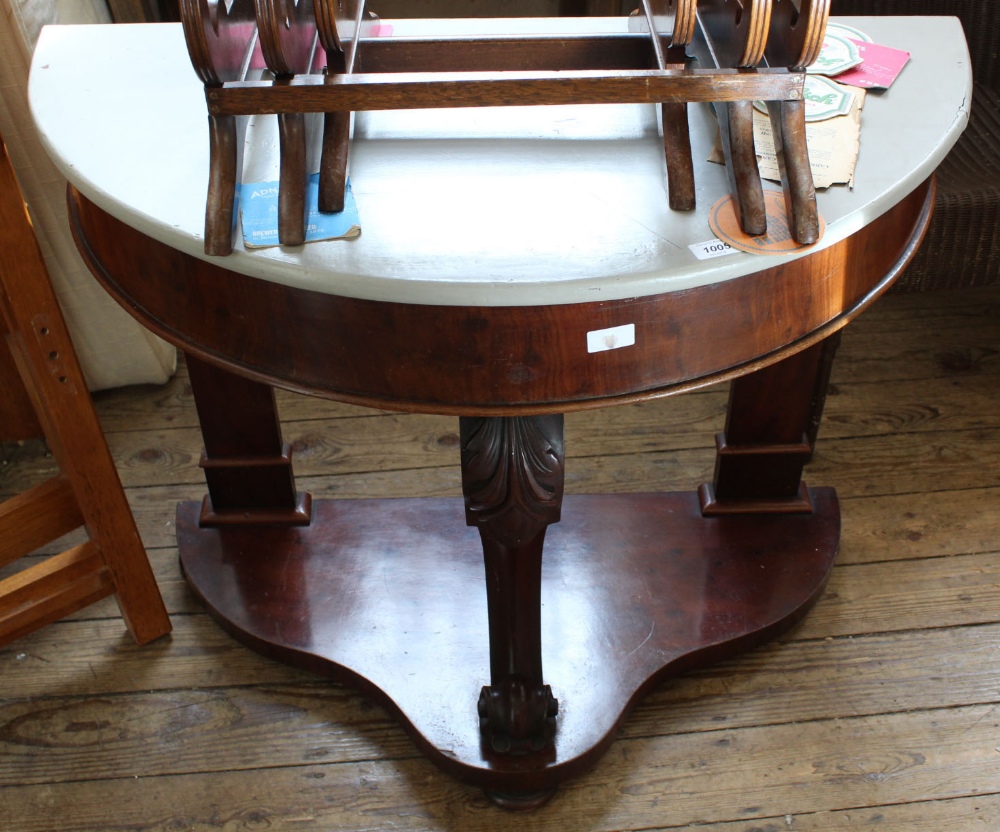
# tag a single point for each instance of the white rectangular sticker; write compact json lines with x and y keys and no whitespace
{"x":611,"y":339}
{"x":711,"y":248}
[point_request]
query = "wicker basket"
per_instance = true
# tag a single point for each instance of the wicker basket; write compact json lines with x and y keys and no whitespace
{"x":962,"y":247}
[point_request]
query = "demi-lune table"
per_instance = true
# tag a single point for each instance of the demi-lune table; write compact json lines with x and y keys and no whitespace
{"x":514,"y":264}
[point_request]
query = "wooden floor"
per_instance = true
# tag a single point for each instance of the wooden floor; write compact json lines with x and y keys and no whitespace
{"x":880,"y":712}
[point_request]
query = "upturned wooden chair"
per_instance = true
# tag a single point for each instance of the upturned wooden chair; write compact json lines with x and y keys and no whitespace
{"x":962,"y":247}
{"x":42,"y":390}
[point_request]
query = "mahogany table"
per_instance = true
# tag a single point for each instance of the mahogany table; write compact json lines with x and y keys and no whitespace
{"x":514,"y":265}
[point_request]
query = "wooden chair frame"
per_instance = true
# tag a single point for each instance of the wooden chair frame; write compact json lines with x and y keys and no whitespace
{"x":88,"y":491}
{"x":326,"y":61}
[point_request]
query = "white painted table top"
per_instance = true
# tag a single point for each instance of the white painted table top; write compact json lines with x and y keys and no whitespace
{"x":496,"y":207}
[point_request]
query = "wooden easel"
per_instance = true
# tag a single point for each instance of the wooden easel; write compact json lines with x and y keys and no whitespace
{"x":47,"y":393}
{"x":323,"y":59}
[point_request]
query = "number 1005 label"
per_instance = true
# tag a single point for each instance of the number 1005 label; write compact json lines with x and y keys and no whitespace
{"x":710,"y":249}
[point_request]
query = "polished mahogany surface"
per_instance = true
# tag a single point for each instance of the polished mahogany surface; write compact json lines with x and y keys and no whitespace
{"x":389,"y":597}
{"x":468,"y":359}
{"x":539,"y":666}
{"x":516,"y":682}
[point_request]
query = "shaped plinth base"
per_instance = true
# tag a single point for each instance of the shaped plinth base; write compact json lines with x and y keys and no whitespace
{"x":388,"y":596}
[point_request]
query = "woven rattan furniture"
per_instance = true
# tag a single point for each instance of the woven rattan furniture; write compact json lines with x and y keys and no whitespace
{"x":963,"y":244}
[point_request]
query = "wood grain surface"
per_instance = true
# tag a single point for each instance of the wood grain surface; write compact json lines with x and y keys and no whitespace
{"x":879,"y":712}
{"x":384,"y":354}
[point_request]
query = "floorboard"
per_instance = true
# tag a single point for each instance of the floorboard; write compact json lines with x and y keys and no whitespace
{"x":881,"y":711}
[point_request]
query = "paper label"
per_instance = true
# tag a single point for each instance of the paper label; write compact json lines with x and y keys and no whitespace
{"x":777,"y":240}
{"x":616,"y":337}
{"x":711,"y":248}
{"x":833,"y":145}
{"x":881,"y":65}
{"x":259,"y":214}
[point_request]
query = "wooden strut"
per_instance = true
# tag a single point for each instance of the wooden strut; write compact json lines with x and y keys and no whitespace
{"x":324,"y":58}
{"x":41,"y":374}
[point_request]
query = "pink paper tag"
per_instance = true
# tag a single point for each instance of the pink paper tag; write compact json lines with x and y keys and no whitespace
{"x":881,"y":65}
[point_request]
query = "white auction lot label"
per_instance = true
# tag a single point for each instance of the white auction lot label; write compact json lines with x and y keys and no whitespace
{"x":711,"y":248}
{"x":614,"y":338}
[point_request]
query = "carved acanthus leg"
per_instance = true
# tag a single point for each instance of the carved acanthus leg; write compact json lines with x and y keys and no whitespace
{"x":512,"y":477}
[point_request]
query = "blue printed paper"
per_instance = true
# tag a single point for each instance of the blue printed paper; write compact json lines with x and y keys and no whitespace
{"x":259,"y":213}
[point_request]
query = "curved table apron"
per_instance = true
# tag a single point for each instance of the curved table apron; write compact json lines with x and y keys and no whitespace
{"x":444,"y":359}
{"x":388,"y":596}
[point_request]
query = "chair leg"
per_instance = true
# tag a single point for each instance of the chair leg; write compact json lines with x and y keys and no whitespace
{"x":17,"y":417}
{"x":113,"y":561}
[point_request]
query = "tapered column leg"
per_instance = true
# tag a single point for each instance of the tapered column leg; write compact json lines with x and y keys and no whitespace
{"x":512,"y":478}
{"x":248,"y":468}
{"x":771,"y":427}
